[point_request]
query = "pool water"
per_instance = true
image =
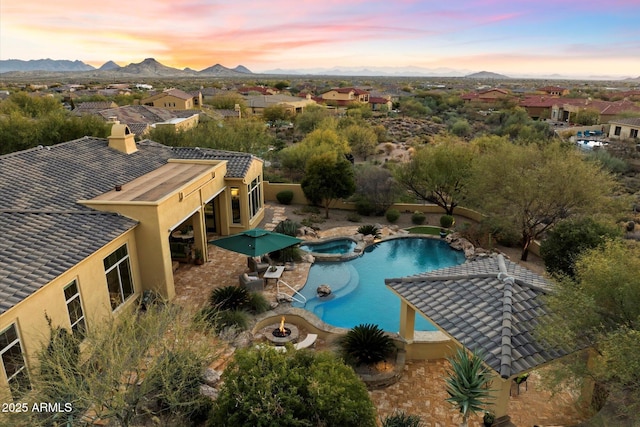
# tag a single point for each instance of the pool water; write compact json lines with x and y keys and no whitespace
{"x":359,"y":294}
{"x":338,"y":246}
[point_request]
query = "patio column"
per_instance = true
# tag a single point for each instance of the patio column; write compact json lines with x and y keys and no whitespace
{"x":199,"y":232}
{"x":407,"y":321}
{"x":500,"y":390}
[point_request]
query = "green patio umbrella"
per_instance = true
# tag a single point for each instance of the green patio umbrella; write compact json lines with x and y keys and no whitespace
{"x":255,"y":242}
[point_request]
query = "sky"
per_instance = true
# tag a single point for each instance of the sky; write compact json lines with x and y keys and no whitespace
{"x":512,"y":37}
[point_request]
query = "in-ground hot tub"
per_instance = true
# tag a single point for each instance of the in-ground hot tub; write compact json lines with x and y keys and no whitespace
{"x":334,"y":249}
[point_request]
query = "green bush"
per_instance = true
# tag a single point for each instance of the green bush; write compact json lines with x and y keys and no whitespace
{"x":369,"y":230}
{"x":365,"y":207}
{"x":392,"y":215}
{"x":285,"y":197}
{"x":366,"y":344}
{"x":570,"y":238}
{"x":418,"y":218}
{"x":446,"y":221}
{"x":354,"y":217}
{"x":263,"y":387}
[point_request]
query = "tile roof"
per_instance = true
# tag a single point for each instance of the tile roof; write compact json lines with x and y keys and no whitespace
{"x":630,"y":121}
{"x":45,"y":230}
{"x":487,"y":307}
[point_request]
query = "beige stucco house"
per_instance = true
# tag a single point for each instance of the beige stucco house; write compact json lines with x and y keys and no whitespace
{"x":174,"y":99}
{"x":346,"y":95}
{"x":624,"y":128}
{"x":256,"y":104}
{"x":90,"y":224}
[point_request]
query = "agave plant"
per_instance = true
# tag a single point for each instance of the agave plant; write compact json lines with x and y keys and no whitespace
{"x":400,"y":419}
{"x":288,"y":227}
{"x":466,"y":383}
{"x":369,"y":229}
{"x":229,"y":298}
{"x":366,"y":344}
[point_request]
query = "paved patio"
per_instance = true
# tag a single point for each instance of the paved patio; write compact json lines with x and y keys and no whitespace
{"x":421,"y":389}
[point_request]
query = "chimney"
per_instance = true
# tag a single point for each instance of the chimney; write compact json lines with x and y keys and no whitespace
{"x":122,"y":139}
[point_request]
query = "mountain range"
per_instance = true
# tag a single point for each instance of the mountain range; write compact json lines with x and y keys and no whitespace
{"x":147,"y":68}
{"x":151,"y":68}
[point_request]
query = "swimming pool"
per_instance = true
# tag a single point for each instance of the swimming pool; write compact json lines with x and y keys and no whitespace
{"x":359,"y":294}
{"x":335,"y":246}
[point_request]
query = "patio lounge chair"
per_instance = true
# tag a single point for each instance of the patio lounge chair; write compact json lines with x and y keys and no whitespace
{"x":251,"y":283}
{"x":257,"y":266}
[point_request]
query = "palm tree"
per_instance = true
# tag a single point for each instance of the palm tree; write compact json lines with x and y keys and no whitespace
{"x":467,"y":383}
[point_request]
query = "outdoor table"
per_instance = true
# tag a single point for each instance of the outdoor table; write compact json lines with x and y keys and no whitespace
{"x":273,"y":274}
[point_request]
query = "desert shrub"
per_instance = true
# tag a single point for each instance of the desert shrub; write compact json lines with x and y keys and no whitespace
{"x":569,"y":239}
{"x":258,"y":303}
{"x":285,"y":197}
{"x":392,"y":215}
{"x":177,"y":376}
{"x":288,"y":227}
{"x":263,"y":387}
{"x":353,"y":217}
{"x":446,"y":221}
{"x":366,"y":344}
{"x":418,"y":218}
{"x":369,"y":229}
{"x":400,"y":419}
{"x":364,"y":206}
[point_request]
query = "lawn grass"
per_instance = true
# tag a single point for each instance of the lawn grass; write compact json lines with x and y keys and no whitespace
{"x":425,"y":229}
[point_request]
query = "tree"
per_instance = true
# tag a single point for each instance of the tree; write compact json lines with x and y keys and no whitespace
{"x":316,"y":143}
{"x":328,"y":178}
{"x":600,"y":309}
{"x":376,"y":186}
{"x":466,"y":383}
{"x":276,"y":112}
{"x":438,"y":173}
{"x":311,"y":118}
{"x":263,"y":387}
{"x":117,"y":377}
{"x":571,"y":237}
{"x":362,"y":140}
{"x":532,"y":187}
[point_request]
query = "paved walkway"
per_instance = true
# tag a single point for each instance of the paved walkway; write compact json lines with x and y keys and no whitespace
{"x":421,"y":388}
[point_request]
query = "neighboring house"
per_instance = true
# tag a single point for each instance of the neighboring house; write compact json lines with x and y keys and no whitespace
{"x":253,"y":90}
{"x":489,"y":95}
{"x":624,"y":128}
{"x":85,"y":108}
{"x":565,"y":109}
{"x":345,"y":96}
{"x":141,"y":118}
{"x":554,"y":90}
{"x":293,"y":104}
{"x":174,"y":99}
{"x":90,"y":224}
{"x":378,"y":102}
{"x":179,"y":124}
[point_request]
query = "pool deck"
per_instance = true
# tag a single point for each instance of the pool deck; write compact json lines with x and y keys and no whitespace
{"x":420,"y":391}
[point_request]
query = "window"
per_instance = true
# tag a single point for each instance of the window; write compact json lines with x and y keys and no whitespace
{"x":255,"y":197}
{"x":235,"y":205}
{"x":633,"y":133}
{"x":74,"y":307}
{"x":617,"y":131}
{"x":13,"y":363}
{"x":119,"y":281}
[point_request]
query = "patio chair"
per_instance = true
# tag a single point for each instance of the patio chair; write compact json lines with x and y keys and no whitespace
{"x":251,"y":283}
{"x":257,"y":266}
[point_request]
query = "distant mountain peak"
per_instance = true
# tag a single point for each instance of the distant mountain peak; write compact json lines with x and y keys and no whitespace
{"x":109,"y":66}
{"x":486,"y":75}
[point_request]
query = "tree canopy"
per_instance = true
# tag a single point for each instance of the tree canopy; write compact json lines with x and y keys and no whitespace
{"x":327,"y":179}
{"x":600,"y":309}
{"x":530,"y":188}
{"x":438,"y":173}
